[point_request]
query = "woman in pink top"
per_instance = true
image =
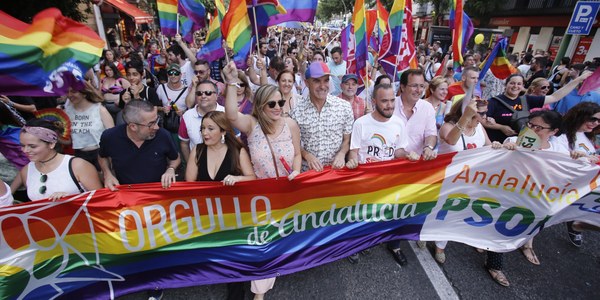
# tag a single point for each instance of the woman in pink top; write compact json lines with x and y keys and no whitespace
{"x":273,"y":140}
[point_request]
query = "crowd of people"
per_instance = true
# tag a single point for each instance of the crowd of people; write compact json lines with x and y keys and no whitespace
{"x":152,"y":114}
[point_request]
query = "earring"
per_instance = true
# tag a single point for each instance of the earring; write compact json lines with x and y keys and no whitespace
{"x":223,"y":139}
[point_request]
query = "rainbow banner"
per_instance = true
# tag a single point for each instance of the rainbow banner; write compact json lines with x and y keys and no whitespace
{"x":46,"y":57}
{"x":296,"y":10}
{"x":104,"y":244}
{"x":167,"y":15}
{"x":213,"y":46}
{"x":497,"y":62}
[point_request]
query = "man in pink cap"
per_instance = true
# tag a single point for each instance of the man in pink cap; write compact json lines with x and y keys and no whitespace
{"x":325,"y":122}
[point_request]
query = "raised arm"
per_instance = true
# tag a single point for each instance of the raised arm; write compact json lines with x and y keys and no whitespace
{"x":188,"y":52}
{"x":240,"y":121}
{"x":562,"y":92}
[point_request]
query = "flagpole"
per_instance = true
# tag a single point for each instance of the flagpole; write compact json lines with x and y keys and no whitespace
{"x":280,"y":42}
{"x":331,"y":41}
{"x":256,"y":30}
{"x":177,"y":24}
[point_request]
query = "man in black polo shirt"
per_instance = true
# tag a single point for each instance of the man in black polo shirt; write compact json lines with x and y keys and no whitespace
{"x":138,"y":151}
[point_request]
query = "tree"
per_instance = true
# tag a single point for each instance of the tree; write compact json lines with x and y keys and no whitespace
{"x":440,"y":8}
{"x":25,"y":10}
{"x":482,"y":9}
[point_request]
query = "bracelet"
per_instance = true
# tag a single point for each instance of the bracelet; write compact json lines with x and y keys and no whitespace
{"x":459,"y":128}
{"x":11,"y":104}
{"x":236,"y":84}
{"x":170,"y":168}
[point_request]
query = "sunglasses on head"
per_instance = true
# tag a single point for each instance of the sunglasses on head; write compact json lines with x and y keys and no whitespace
{"x":173,"y":73}
{"x":271,"y":104}
{"x":207,"y":93}
{"x":43,"y":180}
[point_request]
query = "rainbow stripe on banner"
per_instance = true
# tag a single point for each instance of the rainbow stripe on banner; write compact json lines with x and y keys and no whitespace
{"x":104,"y":244}
{"x":46,"y":57}
{"x":297,"y":10}
{"x":167,"y":15}
{"x":213,"y":46}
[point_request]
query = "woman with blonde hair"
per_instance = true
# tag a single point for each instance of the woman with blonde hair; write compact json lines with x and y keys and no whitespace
{"x":243,"y":94}
{"x":273,"y":140}
{"x":436,"y":93}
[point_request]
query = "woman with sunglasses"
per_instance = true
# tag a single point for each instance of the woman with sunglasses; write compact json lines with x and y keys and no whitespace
{"x":546,"y":124}
{"x":273,"y":140}
{"x":50,"y":174}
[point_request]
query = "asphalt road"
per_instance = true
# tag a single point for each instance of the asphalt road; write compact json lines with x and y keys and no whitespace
{"x":566,"y":272}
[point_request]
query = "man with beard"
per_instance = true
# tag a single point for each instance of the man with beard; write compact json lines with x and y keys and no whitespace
{"x":138,"y":151}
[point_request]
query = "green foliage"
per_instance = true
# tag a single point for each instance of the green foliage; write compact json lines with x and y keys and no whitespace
{"x":440,"y":8}
{"x":482,"y":9}
{"x":25,"y":10}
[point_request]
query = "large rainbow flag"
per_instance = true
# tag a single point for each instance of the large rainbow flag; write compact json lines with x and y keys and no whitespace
{"x":46,"y":57}
{"x":103,"y":244}
{"x":462,"y":30}
{"x":213,"y":46}
{"x":296,"y":10}
{"x":261,"y":12}
{"x":397,"y":50}
{"x":237,"y":31}
{"x":167,"y":15}
{"x":193,"y":10}
{"x":498,"y":62}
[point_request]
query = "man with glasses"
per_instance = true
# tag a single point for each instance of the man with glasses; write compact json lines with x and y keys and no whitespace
{"x":418,"y":116}
{"x":205,"y":95}
{"x":173,"y":93}
{"x":138,"y":151}
{"x":201,"y":74}
{"x":325,"y":122}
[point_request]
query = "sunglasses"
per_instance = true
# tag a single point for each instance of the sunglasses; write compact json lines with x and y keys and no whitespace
{"x":200,"y":72}
{"x":593,"y":120}
{"x":545,"y":87}
{"x":173,"y":73}
{"x":207,"y":93}
{"x":482,"y":113}
{"x":271,"y":104}
{"x":43,"y":180}
{"x":241,"y":84}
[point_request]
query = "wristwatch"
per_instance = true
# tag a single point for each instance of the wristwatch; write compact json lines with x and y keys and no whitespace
{"x":428,"y":146}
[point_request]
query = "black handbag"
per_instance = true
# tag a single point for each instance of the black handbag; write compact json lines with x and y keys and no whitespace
{"x":172,"y":120}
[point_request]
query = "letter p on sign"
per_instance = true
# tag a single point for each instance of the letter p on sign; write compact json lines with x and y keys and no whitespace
{"x":583,"y":17}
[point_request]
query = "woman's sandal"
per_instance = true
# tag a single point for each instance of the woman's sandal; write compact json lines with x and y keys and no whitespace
{"x":530,"y":255}
{"x":499,"y":277}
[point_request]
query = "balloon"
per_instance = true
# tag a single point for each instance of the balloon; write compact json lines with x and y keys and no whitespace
{"x":479,"y":38}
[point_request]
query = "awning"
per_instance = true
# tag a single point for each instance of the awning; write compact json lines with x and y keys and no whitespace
{"x":137,"y":14}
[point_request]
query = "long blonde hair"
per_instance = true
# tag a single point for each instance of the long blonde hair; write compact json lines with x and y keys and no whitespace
{"x":261,"y":97}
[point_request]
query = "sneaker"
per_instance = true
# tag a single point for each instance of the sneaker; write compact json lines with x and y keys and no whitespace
{"x":353,"y":259}
{"x":421,"y":244}
{"x":155,"y":294}
{"x":575,"y":236}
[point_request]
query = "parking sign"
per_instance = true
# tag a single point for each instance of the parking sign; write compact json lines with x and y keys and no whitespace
{"x":583,"y":17}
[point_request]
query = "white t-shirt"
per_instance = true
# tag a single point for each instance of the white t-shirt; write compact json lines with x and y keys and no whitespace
{"x":171,"y":95}
{"x":7,"y":198}
{"x":477,"y":140}
{"x":187,"y":73}
{"x":377,"y":141}
{"x":582,"y":143}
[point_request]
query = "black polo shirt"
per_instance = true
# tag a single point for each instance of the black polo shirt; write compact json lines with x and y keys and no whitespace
{"x":137,"y":165}
{"x":503,"y":115}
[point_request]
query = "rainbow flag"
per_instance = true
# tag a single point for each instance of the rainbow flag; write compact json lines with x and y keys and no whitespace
{"x":193,"y":10}
{"x":260,"y":13}
{"x":103,"y":244}
{"x":297,"y":10}
{"x":397,"y":50}
{"x":167,"y":15}
{"x":382,"y":19}
{"x":359,"y":23}
{"x":462,"y":30}
{"x":497,"y":62}
{"x":371,"y":15}
{"x":237,"y":31}
{"x":46,"y":57}
{"x":213,"y":47}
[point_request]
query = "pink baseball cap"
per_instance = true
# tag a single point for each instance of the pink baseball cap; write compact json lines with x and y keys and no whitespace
{"x":317,"y":69}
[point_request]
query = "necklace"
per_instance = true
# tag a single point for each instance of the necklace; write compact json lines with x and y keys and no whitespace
{"x":51,"y":158}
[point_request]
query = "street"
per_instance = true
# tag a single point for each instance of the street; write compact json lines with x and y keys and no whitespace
{"x":566,"y":272}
